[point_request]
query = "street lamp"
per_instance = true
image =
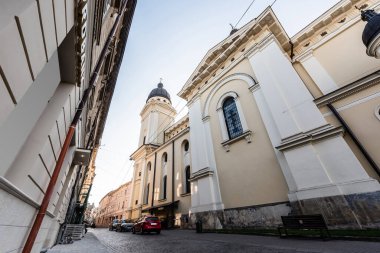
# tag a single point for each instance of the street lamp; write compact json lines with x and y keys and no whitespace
{"x":371,"y":33}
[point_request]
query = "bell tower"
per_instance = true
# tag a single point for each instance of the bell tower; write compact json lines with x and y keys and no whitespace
{"x":157,"y":114}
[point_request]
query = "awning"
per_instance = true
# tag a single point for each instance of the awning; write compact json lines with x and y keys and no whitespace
{"x":173,"y":204}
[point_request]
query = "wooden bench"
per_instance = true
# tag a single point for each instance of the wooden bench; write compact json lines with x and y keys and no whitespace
{"x":304,"y":222}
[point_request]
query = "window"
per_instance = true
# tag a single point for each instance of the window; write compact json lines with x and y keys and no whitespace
{"x":163,"y":176}
{"x":136,"y":202}
{"x":377,"y":112}
{"x":149,"y":166}
{"x":231,"y":116}
{"x":186,"y":146}
{"x":146,"y":197}
{"x":187,"y":180}
{"x":164,"y":187}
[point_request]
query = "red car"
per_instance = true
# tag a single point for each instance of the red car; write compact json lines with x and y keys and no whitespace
{"x":147,"y":224}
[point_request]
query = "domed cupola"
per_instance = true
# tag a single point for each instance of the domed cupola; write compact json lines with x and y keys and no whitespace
{"x":159,"y":92}
{"x":371,"y":33}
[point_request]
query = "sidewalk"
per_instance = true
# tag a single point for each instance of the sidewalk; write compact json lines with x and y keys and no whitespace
{"x":89,"y":243}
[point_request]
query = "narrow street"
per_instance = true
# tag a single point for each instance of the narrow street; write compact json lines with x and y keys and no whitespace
{"x":103,"y":241}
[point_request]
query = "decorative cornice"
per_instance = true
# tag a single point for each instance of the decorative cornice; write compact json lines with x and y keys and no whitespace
{"x":178,"y":124}
{"x":305,"y":56}
{"x":265,"y":22}
{"x":254,"y":87}
{"x":247,"y":135}
{"x":318,"y":134}
{"x":143,"y":150}
{"x":336,"y":20}
{"x":349,"y":89}
{"x":206,"y":172}
{"x":206,"y":118}
{"x":261,"y":45}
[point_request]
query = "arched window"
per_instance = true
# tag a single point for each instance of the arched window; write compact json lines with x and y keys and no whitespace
{"x":149,"y":166}
{"x":186,"y":146}
{"x":164,"y":184}
{"x":231,"y":116}
{"x":187,"y":180}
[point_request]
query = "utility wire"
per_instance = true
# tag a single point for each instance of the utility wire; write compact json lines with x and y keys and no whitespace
{"x":244,"y":13}
{"x":165,"y":121}
{"x":156,"y":133}
{"x":273,"y":3}
{"x":163,"y":130}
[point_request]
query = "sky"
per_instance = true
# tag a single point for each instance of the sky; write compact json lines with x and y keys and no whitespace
{"x":168,"y":39}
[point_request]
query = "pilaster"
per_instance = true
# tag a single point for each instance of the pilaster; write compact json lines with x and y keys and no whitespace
{"x":315,"y":159}
{"x":204,"y":179}
{"x":317,"y":72}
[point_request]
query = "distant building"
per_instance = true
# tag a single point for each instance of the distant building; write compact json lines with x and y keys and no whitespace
{"x":48,"y":55}
{"x":113,"y":205}
{"x":276,"y":126}
{"x":89,"y":214}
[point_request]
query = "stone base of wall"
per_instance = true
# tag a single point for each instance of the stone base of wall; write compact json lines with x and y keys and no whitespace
{"x":355,"y":211}
{"x":264,"y":216}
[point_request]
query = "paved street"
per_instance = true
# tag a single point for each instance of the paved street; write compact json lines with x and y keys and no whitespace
{"x":104,"y":241}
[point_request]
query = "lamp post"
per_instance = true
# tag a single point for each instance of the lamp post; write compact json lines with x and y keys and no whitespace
{"x":371,"y":33}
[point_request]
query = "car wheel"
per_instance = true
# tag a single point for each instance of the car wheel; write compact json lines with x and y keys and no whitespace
{"x":133,"y":231}
{"x":142,"y":231}
{"x":158,"y":232}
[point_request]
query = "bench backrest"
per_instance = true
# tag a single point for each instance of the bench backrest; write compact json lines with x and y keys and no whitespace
{"x":314,"y":221}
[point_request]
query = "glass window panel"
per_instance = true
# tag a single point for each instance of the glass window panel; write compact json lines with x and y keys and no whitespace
{"x":231,"y":116}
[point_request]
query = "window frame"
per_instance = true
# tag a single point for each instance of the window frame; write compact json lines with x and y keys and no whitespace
{"x":222,"y":120}
{"x":187,"y":180}
{"x":233,"y":122}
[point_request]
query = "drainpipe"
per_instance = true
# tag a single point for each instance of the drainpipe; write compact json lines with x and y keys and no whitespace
{"x":154,"y":176}
{"x":49,"y":191}
{"x":355,"y":139}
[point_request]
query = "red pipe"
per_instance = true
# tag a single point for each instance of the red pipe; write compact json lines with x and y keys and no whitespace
{"x":45,"y":202}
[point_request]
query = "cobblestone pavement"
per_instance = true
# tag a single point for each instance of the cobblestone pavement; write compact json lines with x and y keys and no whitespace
{"x":104,"y":241}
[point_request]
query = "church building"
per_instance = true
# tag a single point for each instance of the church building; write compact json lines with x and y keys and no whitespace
{"x":277,"y":125}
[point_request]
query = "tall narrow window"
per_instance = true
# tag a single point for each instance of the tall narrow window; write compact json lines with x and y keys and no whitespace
{"x":164,"y":187}
{"x":186,"y":146}
{"x":187,"y":179}
{"x":163,"y":183}
{"x":231,"y":116}
{"x":146,"y":197}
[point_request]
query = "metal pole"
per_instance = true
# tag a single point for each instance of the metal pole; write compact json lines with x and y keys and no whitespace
{"x":45,"y":202}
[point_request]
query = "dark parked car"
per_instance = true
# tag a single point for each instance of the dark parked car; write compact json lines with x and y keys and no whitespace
{"x":124,"y":226}
{"x":147,"y":224}
{"x":113,"y":225}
